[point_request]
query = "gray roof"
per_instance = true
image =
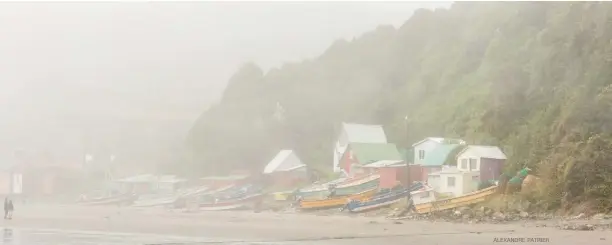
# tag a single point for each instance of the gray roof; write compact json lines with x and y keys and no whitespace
{"x":362,"y":133}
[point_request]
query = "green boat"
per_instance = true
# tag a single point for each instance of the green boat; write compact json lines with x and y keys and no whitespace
{"x":344,"y":187}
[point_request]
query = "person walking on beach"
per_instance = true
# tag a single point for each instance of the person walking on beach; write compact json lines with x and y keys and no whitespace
{"x":10,"y":209}
{"x":6,"y":207}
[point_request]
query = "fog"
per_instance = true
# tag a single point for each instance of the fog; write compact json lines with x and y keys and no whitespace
{"x":129,"y":79}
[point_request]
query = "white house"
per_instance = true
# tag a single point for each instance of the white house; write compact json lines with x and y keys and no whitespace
{"x":285,"y":160}
{"x":472,"y":157}
{"x":454,"y":181}
{"x":425,"y":146}
{"x":488,"y":161}
{"x":356,"y":133}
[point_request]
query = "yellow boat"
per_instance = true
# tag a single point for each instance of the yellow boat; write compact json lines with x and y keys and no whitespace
{"x":470,"y":198}
{"x":336,"y":201}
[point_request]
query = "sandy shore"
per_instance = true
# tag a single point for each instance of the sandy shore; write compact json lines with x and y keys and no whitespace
{"x":246,"y":226}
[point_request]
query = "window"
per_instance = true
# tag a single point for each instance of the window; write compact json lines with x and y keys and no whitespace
{"x":472,"y":164}
{"x":464,"y":163}
{"x":421,"y":154}
{"x":451,"y":181}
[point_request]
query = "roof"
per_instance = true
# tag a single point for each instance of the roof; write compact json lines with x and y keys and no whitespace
{"x":385,"y":163}
{"x":285,"y":160}
{"x":440,"y":140}
{"x":362,"y":133}
{"x":367,"y":153}
{"x":438,"y":155}
{"x":483,"y":151}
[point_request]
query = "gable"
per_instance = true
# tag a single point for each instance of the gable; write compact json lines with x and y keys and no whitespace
{"x":439,"y":155}
{"x":285,"y":160}
{"x":366,"y":153}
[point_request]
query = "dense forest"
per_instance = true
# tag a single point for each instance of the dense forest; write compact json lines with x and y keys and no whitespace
{"x":531,"y":77}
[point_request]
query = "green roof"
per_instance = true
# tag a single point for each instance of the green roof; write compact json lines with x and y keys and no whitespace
{"x":366,"y":153}
{"x":438,"y":156}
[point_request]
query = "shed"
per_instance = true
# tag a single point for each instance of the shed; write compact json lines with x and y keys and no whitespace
{"x":487,"y":160}
{"x":453,"y":181}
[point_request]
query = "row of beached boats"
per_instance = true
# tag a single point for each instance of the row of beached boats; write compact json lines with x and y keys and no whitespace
{"x":357,"y":194}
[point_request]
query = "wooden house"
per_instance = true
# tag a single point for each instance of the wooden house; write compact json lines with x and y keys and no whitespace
{"x":356,"y":133}
{"x":437,"y":158}
{"x":488,"y":161}
{"x":424,"y":147}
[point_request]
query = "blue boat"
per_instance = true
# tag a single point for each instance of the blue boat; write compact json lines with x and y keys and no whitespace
{"x":382,"y":199}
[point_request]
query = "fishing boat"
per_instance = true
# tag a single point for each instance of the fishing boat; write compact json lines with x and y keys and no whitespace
{"x":448,"y":203}
{"x":343,"y":187}
{"x":231,"y":204}
{"x":382,"y":199}
{"x":335,"y":202}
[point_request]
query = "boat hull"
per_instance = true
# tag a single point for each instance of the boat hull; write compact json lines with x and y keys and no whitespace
{"x":344,"y":188}
{"x":470,"y":198}
{"x":382,"y":200}
{"x":335,"y":202}
{"x":233,"y":204}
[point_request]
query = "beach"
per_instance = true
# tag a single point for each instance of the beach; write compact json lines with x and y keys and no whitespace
{"x":160,"y":226}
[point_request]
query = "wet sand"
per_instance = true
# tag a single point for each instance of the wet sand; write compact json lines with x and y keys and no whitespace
{"x":246,"y":227}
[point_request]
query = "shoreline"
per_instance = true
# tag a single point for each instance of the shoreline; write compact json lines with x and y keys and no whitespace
{"x":247,"y":226}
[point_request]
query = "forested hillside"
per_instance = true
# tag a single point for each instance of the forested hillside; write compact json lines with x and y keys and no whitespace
{"x":531,"y":77}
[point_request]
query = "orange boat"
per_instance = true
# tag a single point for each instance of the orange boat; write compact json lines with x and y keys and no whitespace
{"x":336,"y":201}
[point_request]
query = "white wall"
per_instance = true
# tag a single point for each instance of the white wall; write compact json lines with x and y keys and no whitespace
{"x":423,"y":196}
{"x":462,"y":157}
{"x":426,"y":146}
{"x":464,"y":183}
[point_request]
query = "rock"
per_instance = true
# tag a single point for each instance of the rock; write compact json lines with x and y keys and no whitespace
{"x":524,"y":214}
{"x":587,"y":227}
{"x":373,"y":222}
{"x":499,"y":216}
{"x":397,"y":223}
{"x":466,"y":216}
{"x":457,"y":213}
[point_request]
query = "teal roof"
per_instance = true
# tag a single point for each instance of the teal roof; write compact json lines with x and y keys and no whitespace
{"x":438,"y":155}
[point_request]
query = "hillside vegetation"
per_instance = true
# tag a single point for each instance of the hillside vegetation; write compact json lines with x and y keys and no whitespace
{"x":531,"y":77}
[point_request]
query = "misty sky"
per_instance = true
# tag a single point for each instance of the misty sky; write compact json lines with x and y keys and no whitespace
{"x":132,"y":77}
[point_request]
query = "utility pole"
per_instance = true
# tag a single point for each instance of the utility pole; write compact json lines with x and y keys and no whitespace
{"x":408,"y":179}
{"x":406,"y":124}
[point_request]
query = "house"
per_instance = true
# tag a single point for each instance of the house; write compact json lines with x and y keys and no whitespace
{"x":286,"y":169}
{"x":487,"y":160}
{"x":360,"y":154}
{"x":425,"y":146}
{"x":453,"y":181}
{"x":436,"y":158}
{"x":356,"y":133}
